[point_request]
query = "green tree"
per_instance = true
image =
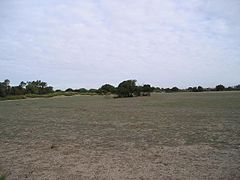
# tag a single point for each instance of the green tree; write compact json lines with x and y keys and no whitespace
{"x":157,"y":89}
{"x":22,"y":84}
{"x":146,"y":90}
{"x":200,"y":89}
{"x":194,"y":89}
{"x":32,"y":88}
{"x":220,"y":88}
{"x":3,"y":92}
{"x":92,"y":90}
{"x":82,"y":90}
{"x":17,"y":90}
{"x":38,"y":87}
{"x":5,"y":88}
{"x":107,"y":88}
{"x":69,"y":90}
{"x":127,"y":88}
{"x":237,"y":87}
{"x":48,"y":89}
{"x":190,"y":89}
{"x":175,"y":89}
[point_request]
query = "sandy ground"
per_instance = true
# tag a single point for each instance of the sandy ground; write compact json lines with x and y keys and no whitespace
{"x":42,"y":160}
{"x":119,"y":139}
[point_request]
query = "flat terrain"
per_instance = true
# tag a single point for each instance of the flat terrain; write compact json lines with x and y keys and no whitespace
{"x":165,"y":136}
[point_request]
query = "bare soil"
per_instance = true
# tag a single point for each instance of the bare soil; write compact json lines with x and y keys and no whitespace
{"x":165,"y":136}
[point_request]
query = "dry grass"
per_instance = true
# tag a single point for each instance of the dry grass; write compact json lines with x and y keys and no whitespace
{"x":165,"y":136}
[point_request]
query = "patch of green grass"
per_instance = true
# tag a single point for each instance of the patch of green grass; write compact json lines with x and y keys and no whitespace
{"x":44,"y":95}
{"x":69,"y":93}
{"x":40,"y":95}
{"x":2,"y":178}
{"x":13,"y":97}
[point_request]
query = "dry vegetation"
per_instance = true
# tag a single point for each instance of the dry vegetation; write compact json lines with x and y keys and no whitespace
{"x":165,"y":136}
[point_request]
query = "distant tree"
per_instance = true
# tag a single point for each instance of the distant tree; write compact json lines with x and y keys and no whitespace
{"x":58,"y":90}
{"x":92,"y":90}
{"x":230,"y":88}
{"x":42,"y":84}
{"x":200,"y":89}
{"x":167,"y":90}
{"x":22,"y":84}
{"x":138,"y":91}
{"x":48,"y":89}
{"x":37,"y":87}
{"x":194,"y":89}
{"x":6,"y":82}
{"x":127,"y":88}
{"x":33,"y":87}
{"x":107,"y":88}
{"x":220,"y":88}
{"x":190,"y":89}
{"x":208,"y":89}
{"x":3,"y":92}
{"x":69,"y":90}
{"x":21,"y":88}
{"x":175,"y":89}
{"x":237,"y":87}
{"x":43,"y":89}
{"x":146,"y":90}
{"x":82,"y":90}
{"x":5,"y":88}
{"x":157,"y":89}
{"x":17,"y":90}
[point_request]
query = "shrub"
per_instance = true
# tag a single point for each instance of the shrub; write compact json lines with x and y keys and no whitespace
{"x":107,"y":89}
{"x":220,"y":88}
{"x":127,"y":88}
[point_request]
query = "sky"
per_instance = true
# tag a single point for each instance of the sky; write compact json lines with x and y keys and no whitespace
{"x":87,"y":43}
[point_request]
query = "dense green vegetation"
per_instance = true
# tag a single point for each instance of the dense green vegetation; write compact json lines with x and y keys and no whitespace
{"x":128,"y":88}
{"x":33,"y":87}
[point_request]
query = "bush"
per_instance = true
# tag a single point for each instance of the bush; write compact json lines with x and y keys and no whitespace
{"x":107,"y":89}
{"x":127,"y":88}
{"x":175,"y":89}
{"x":220,"y":88}
{"x":200,"y":89}
{"x":82,"y":90}
{"x":69,"y":90}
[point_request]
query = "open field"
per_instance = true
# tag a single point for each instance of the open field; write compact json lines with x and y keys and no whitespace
{"x":165,"y":136}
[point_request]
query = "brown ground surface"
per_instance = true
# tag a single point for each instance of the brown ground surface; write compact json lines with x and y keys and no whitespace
{"x":165,"y":136}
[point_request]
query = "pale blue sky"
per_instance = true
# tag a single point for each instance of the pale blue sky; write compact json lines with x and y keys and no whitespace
{"x":86,"y":43}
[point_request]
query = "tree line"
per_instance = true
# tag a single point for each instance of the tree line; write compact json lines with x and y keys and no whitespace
{"x":30,"y":87}
{"x":128,"y":88}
